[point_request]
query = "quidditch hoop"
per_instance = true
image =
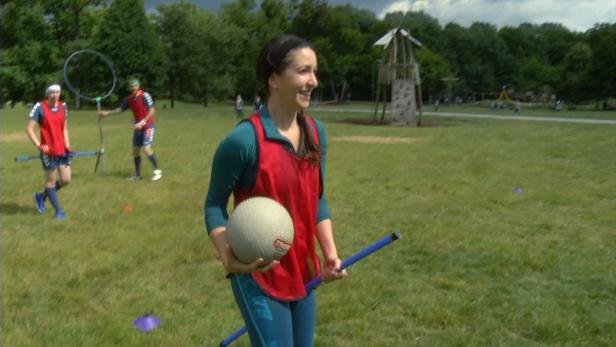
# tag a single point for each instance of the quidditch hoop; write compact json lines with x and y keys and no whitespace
{"x":74,"y":90}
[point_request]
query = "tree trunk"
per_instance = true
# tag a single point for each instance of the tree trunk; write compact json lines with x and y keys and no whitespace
{"x":343,"y":88}
{"x":171,"y":92}
{"x":205,"y":96}
{"x":334,"y":94}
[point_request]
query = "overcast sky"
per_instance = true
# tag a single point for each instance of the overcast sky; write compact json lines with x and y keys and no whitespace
{"x":578,"y":15}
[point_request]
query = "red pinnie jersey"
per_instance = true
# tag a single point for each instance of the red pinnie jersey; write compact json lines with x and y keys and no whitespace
{"x":295,"y":183}
{"x":139,"y":107}
{"x":52,"y":127}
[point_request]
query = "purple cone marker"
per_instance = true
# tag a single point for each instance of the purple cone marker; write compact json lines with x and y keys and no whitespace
{"x":517,"y":190}
{"x":147,"y":322}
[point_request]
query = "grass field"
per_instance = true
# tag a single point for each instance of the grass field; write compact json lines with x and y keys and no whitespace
{"x":478,"y":264}
{"x":582,"y":112}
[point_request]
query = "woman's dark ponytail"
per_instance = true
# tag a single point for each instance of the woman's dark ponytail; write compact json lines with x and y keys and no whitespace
{"x":312,"y":150}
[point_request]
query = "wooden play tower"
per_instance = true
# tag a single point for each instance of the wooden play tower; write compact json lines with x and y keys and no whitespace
{"x":400,"y":70}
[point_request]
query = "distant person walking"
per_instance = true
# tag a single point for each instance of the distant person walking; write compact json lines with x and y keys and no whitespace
{"x":51,"y":116}
{"x":142,"y":105}
{"x":239,"y":106}
{"x":258,"y":103}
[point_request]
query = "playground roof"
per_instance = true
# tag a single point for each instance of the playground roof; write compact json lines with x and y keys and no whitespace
{"x":386,"y":39}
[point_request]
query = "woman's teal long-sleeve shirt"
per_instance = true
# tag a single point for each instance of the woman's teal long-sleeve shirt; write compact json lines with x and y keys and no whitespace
{"x":235,"y":164}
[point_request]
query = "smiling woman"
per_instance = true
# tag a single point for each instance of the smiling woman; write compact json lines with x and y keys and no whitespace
{"x":278,"y":152}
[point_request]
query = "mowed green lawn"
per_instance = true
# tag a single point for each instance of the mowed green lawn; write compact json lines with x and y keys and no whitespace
{"x":478,"y":264}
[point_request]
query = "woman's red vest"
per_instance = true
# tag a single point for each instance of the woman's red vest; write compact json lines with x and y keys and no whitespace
{"x":295,"y":183}
{"x":52,"y":127}
{"x":140,"y":110}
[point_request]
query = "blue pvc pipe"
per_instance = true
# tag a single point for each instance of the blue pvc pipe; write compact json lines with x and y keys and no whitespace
{"x":313,"y":283}
{"x":74,"y":154}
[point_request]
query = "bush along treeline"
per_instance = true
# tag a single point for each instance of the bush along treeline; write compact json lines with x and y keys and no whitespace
{"x":183,"y":52}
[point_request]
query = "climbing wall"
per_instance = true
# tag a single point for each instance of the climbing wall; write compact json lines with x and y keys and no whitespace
{"x":403,"y":106}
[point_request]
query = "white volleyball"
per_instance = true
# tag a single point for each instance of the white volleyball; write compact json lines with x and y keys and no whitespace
{"x":260,"y":227}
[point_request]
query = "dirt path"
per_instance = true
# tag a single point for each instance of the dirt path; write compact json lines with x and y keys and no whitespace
{"x":487,"y":116}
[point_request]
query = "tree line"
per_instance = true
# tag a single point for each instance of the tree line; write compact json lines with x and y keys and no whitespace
{"x":183,"y":52}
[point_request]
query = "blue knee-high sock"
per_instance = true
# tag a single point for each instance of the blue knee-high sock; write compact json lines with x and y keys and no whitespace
{"x":58,"y":186}
{"x":138,"y":166}
{"x":53,"y":197}
{"x":154,"y":161}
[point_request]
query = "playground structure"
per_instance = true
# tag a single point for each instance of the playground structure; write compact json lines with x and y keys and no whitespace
{"x":399,"y":69}
{"x":504,"y":100}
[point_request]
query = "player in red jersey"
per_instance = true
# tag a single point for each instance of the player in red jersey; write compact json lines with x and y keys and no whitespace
{"x":142,"y":105}
{"x":51,"y":115}
{"x":278,"y":152}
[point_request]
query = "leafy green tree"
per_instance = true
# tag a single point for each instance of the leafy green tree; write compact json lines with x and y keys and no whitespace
{"x":432,"y":67}
{"x":273,"y":19}
{"x":479,"y":57}
{"x":196,"y":55}
{"x":179,"y":29}
{"x":218,"y":53}
{"x":576,"y":64}
{"x":202,"y":49}
{"x":68,"y":17}
{"x":522,"y":41}
{"x":521,"y":44}
{"x":73,"y":22}
{"x":535,"y":75}
{"x":555,"y":40}
{"x":490,"y":59}
{"x":601,"y":69}
{"x":459,"y":52}
{"x":242,"y":15}
{"x":346,"y":45}
{"x":128,"y":38}
{"x":29,"y":54}
{"x":308,"y":21}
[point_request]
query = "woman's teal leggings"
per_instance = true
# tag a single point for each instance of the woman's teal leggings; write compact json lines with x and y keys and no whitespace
{"x":271,"y":322}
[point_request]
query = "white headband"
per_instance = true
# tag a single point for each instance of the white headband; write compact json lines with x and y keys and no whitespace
{"x":53,"y":88}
